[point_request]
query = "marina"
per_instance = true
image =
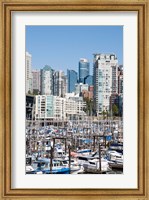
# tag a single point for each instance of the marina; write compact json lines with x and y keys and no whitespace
{"x":74,"y":147}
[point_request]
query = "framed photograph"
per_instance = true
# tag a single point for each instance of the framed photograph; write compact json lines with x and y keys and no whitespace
{"x":74,"y":99}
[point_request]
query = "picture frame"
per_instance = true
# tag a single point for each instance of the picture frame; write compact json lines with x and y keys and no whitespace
{"x":6,"y":8}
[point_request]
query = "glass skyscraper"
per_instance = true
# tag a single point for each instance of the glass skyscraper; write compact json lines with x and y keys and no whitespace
{"x":72,"y":80}
{"x":88,"y":80}
{"x":83,"y":69}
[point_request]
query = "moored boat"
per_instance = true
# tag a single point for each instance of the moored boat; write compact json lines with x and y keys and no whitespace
{"x":43,"y":165}
{"x":93,"y":166}
{"x":116,"y":165}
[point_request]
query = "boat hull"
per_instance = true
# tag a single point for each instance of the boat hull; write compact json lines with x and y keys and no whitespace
{"x":57,"y":171}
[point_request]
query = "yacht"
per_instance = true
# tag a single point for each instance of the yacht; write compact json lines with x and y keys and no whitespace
{"x":92,"y":166}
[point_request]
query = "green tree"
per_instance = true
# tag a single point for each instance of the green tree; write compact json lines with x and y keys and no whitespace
{"x":107,"y":114}
{"x":115,"y":110}
{"x":104,"y":114}
{"x":89,"y":106}
{"x":29,"y":92}
{"x":35,"y":92}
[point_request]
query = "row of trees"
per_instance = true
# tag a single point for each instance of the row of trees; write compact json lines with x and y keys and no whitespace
{"x":91,"y":111}
{"x":35,"y":92}
{"x":114,"y":112}
{"x":89,"y":106}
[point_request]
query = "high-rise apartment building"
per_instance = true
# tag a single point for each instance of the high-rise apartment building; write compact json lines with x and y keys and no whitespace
{"x":60,"y":83}
{"x":47,"y":80}
{"x":72,"y":78}
{"x":36,"y":81}
{"x":105,"y":80}
{"x":28,"y":74}
{"x":83,"y":69}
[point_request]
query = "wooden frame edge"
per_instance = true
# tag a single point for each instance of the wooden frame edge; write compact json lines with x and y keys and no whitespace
{"x":8,"y":192}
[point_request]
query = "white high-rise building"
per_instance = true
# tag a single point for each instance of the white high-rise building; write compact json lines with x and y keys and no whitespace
{"x":105,"y":80}
{"x":36,"y":81}
{"x":28,"y":74}
{"x":47,"y":80}
{"x":60,"y":84}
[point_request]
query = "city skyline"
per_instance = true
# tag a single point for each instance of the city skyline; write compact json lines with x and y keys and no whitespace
{"x":74,"y":100}
{"x":56,"y":44}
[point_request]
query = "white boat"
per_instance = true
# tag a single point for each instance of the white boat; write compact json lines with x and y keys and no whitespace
{"x":73,"y":165}
{"x":115,"y":160}
{"x":43,"y":165}
{"x":80,"y":171}
{"x":84,"y":152}
{"x":58,"y":152}
{"x":115,"y":156}
{"x":92,"y":166}
{"x":29,"y":168}
{"x":116,"y":165}
{"x":84,"y":158}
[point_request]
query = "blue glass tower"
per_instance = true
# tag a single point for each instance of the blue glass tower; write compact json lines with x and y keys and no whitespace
{"x":72,"y":80}
{"x":83,"y":69}
{"x":88,"y":80}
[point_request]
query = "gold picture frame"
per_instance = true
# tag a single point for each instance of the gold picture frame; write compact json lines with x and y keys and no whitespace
{"x":6,"y":7}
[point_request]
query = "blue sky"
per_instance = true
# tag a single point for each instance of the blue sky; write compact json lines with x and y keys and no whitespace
{"x":61,"y":47}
